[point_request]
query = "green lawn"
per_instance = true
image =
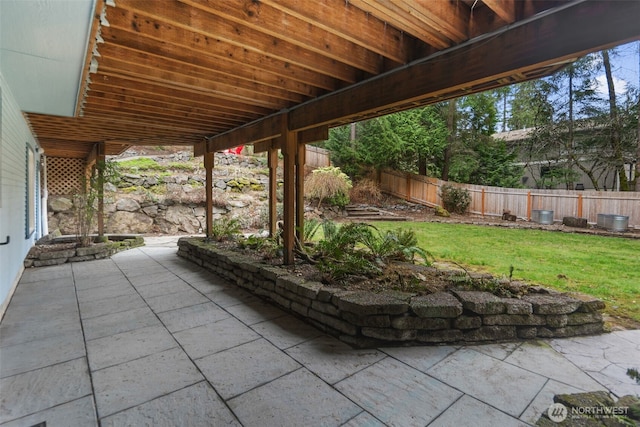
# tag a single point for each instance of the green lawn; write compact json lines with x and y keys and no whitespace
{"x":605,"y":267}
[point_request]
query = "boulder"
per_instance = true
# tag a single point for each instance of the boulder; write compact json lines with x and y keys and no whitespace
{"x":129,"y":222}
{"x":151,"y":211}
{"x":60,"y":204}
{"x":128,"y":205}
{"x":183,"y":217}
{"x":110,"y":188}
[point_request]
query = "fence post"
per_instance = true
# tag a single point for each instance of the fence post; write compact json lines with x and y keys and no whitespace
{"x":408,"y":196}
{"x":529,"y":206}
{"x":482,"y":203}
{"x":579,"y":205}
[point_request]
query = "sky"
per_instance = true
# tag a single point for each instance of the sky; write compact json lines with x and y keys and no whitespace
{"x":624,"y":69}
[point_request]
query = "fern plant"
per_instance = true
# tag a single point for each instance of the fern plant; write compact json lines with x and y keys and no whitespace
{"x":225,"y":229}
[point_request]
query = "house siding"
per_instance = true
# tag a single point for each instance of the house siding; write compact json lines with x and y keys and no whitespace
{"x":15,"y":136}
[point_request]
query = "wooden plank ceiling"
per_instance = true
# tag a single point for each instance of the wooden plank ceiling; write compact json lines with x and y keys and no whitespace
{"x":163,"y":72}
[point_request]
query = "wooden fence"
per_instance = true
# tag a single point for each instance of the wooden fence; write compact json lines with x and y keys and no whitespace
{"x":493,"y":201}
{"x":317,"y":157}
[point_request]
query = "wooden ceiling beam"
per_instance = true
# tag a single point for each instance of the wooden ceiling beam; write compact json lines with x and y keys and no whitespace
{"x":160,"y":77}
{"x":185,"y":45}
{"x":181,"y":105}
{"x":505,"y":9}
{"x":177,"y":94}
{"x":267,"y":128}
{"x":350,"y":23}
{"x":158,"y":18}
{"x":582,"y":27}
{"x":117,"y":108}
{"x":213,"y":67}
{"x":111,"y":101}
{"x":448,"y":18}
{"x":403,"y":15}
{"x":284,"y":27}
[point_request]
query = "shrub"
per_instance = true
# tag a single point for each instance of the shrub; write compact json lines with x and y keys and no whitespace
{"x":366,"y":191}
{"x":225,"y":229}
{"x":328,"y":184}
{"x":362,"y":249}
{"x":455,"y":199}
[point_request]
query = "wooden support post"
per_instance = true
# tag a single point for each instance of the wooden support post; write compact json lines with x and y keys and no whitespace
{"x":482,"y":202}
{"x":529,"y":201}
{"x":100,"y":164}
{"x":272,"y":160}
{"x":289,"y":150}
{"x":208,"y":167}
{"x":579,"y":205}
{"x":300,"y":162}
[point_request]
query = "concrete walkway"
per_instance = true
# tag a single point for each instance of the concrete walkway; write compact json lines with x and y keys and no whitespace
{"x":147,"y":338}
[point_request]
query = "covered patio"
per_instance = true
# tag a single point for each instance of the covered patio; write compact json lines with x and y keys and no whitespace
{"x":278,"y":74}
{"x":148,"y":338}
{"x":145,"y":338}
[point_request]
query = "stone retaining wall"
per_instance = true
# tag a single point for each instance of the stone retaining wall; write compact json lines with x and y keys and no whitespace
{"x":60,"y":253}
{"x":368,"y":319}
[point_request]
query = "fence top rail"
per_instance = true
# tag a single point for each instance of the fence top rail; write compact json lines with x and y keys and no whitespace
{"x":586,"y":194}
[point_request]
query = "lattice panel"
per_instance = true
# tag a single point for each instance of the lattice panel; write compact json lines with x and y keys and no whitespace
{"x":64,"y":175}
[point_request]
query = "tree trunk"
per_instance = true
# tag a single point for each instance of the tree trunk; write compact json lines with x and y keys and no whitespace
{"x":616,"y":143}
{"x":451,"y":126}
{"x":636,"y":179}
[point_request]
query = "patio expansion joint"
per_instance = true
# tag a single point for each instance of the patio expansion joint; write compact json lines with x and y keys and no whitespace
{"x":86,"y":355}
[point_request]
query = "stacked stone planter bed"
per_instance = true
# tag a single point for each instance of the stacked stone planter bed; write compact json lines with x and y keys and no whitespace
{"x":64,"y":249}
{"x":367,"y":319}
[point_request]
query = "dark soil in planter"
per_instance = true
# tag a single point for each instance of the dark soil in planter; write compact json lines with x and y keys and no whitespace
{"x":404,"y":277}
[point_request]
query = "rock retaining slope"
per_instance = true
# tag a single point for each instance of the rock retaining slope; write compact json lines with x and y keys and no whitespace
{"x":367,"y":319}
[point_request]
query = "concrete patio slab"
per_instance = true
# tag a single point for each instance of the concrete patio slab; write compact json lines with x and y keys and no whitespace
{"x":48,"y":273}
{"x":231,"y":296}
{"x":397,"y":394}
{"x":470,"y":412}
{"x":255,"y":312}
{"x":247,"y":366}
{"x":499,"y":350}
{"x":196,"y":405}
{"x":77,"y":413}
{"x":214,"y":337}
{"x":296,"y":399}
{"x":127,"y":346}
{"x":492,"y":381}
{"x":364,"y":419}
{"x":90,"y":309}
{"x":60,"y":323}
{"x":421,"y":358}
{"x":228,"y":358}
{"x":331,"y":359}
{"x":544,"y":398}
{"x":40,"y":353}
{"x":113,"y":290}
{"x":130,"y":384}
{"x":176,"y":300}
{"x":171,"y":286}
{"x":286,"y":331}
{"x":55,"y":385}
{"x":111,"y":324}
{"x":193,"y":316}
{"x":535,"y":357}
